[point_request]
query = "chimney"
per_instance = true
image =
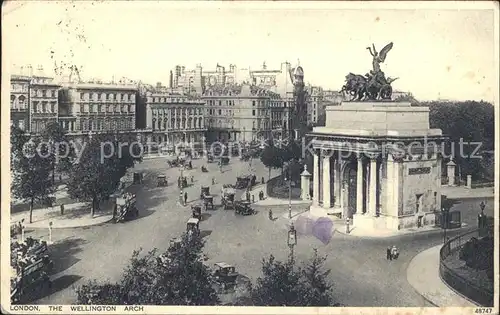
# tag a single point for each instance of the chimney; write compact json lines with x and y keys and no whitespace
{"x":30,"y":71}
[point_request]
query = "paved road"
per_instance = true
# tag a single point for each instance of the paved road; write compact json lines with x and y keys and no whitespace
{"x":360,"y":272}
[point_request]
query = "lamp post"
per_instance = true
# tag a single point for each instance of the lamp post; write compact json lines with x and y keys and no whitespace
{"x":292,"y":241}
{"x":289,"y":191}
{"x":444,"y":216}
{"x":481,"y":218}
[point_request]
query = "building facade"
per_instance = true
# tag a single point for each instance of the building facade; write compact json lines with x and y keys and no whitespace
{"x":238,"y":112}
{"x":172,"y":119}
{"x":197,"y":80}
{"x":20,"y":101}
{"x":33,"y":100}
{"x":44,"y":99}
{"x":97,"y":107}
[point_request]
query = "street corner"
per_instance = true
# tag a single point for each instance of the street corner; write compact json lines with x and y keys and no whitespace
{"x":422,"y":274}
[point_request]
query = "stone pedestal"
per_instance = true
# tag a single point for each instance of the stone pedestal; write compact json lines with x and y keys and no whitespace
{"x":305,"y":183}
{"x":469,"y":181}
{"x":450,"y":173}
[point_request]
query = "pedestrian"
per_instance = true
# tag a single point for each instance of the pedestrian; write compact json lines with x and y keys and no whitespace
{"x":185,"y":197}
{"x":271,"y":214}
{"x":181,"y":196}
{"x":192,"y":179}
{"x":389,"y":255}
{"x":213,"y":180}
{"x":394,"y":252}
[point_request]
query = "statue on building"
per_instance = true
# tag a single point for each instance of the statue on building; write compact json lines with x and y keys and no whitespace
{"x":373,"y":85}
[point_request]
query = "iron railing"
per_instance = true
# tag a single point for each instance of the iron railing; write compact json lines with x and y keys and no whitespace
{"x":471,"y":291}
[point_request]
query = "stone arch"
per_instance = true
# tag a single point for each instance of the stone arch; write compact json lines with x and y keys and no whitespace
{"x":348,"y":171}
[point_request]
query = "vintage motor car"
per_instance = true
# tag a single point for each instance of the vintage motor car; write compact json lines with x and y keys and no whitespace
{"x":196,"y":211}
{"x":225,"y":275}
{"x":204,"y":191}
{"x":243,"y":208}
{"x":228,"y":194}
{"x":162,"y":181}
{"x":193,"y":227}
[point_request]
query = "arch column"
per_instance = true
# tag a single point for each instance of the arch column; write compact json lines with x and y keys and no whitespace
{"x":316,"y":175}
{"x":326,"y":180}
{"x":359,"y":185}
{"x":372,"y":188}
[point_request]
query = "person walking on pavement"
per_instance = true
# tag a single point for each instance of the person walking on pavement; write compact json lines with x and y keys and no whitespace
{"x":180,"y":197}
{"x":185,"y":197}
{"x":389,"y":254}
{"x":271,"y":214}
{"x":213,"y":180}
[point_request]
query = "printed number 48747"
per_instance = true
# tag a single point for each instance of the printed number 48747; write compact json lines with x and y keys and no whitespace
{"x":483,"y":310}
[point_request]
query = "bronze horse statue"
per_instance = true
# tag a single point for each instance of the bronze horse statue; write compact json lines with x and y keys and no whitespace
{"x":365,"y":87}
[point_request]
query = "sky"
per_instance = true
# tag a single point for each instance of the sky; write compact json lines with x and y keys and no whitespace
{"x":439,"y":53}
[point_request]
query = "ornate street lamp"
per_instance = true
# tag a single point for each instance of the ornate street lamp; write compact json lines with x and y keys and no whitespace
{"x":292,"y":240}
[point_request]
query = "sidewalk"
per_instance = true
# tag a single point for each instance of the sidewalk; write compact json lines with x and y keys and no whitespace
{"x":461,"y":192}
{"x":383,"y":233}
{"x":423,"y":275}
{"x":75,"y":215}
{"x":270,"y":201}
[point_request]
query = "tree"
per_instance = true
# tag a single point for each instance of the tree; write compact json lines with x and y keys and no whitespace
{"x":96,"y":175}
{"x":17,"y":140}
{"x":279,"y":284}
{"x":182,"y":280}
{"x":271,"y":157}
{"x":62,"y":152}
{"x":284,"y":284}
{"x":319,"y":291}
{"x":31,"y":177}
{"x":464,"y":123}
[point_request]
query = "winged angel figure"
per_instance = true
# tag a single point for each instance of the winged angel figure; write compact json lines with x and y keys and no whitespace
{"x":379,"y":58}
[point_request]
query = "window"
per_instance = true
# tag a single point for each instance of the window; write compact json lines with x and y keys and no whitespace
{"x":220,"y":103}
{"x":53,"y":107}
{"x":253,"y":103}
{"x":44,"y":93}
{"x":21,"y":102}
{"x":253,"y":112}
{"x":82,"y":96}
{"x":53,"y":93}
{"x":220,"y":112}
{"x":418,"y":205}
{"x":44,"y":107}
{"x":99,"y":108}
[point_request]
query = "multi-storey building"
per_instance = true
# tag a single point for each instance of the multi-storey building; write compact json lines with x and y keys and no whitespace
{"x":238,"y":112}
{"x":314,"y":103}
{"x":98,"y":107}
{"x":20,"y":101}
{"x":199,"y":79}
{"x":44,"y":102}
{"x":33,"y":99}
{"x":174,"y":118}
